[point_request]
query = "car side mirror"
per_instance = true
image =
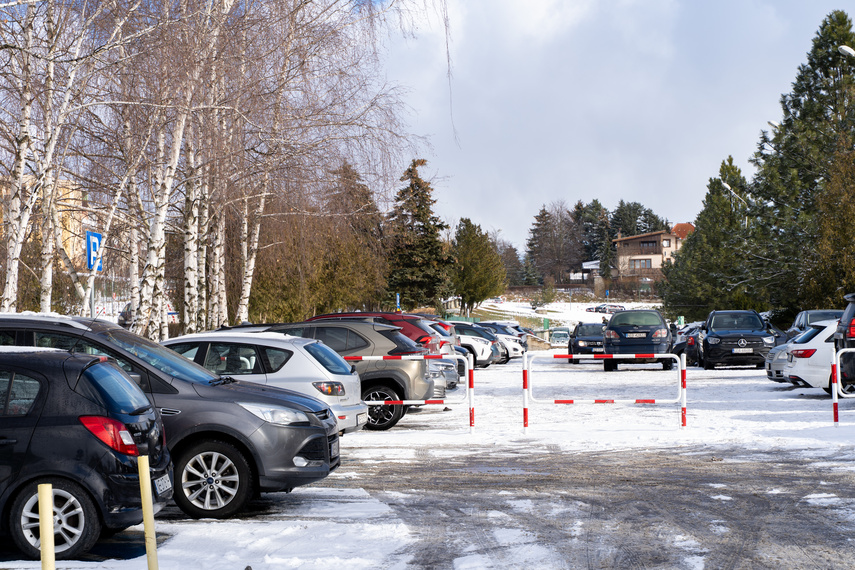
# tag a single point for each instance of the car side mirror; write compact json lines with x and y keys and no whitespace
{"x":353,"y":368}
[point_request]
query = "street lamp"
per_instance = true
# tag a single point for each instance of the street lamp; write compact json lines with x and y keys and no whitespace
{"x":729,"y":189}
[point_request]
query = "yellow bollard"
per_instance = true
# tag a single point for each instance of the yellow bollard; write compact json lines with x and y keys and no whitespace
{"x":46,"y":526}
{"x":148,"y":513}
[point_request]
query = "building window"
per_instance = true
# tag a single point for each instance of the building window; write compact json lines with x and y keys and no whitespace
{"x":640,"y":264}
{"x":666,"y":243}
{"x":648,"y":245}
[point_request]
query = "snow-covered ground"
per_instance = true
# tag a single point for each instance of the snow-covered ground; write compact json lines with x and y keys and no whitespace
{"x":326,"y":526}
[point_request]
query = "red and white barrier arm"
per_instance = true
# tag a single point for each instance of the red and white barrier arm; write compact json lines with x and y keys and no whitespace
{"x":528,"y":393}
{"x":836,"y":383}
{"x":469,"y":397}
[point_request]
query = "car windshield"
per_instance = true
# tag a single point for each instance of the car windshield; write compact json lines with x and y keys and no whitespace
{"x":731,"y":321}
{"x":590,"y":330}
{"x":641,"y":319}
{"x":159,"y":356}
{"x":808,"y":335}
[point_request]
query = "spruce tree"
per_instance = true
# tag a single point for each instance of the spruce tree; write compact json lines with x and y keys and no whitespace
{"x":479,"y":272}
{"x":419,"y":262}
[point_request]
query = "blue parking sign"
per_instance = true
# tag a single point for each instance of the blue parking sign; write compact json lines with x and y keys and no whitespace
{"x":93,"y":244}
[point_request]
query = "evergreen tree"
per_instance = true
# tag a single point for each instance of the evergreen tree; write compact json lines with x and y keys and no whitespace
{"x":708,"y":271}
{"x":587,"y":218}
{"x":794,"y":169}
{"x":632,"y":219}
{"x":530,"y":273}
{"x":513,"y":265}
{"x":554,"y":243}
{"x":479,"y":272}
{"x":605,"y":247}
{"x":419,"y":263}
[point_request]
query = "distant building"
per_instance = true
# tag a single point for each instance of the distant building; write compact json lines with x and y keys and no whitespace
{"x":640,"y":257}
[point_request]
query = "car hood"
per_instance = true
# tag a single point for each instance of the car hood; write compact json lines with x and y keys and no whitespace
{"x":738,"y":332}
{"x":257,"y":393}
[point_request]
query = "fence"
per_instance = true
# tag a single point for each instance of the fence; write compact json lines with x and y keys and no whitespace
{"x":528,"y":394}
{"x":470,"y":388}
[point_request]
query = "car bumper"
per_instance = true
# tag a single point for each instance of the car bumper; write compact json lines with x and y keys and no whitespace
{"x":352,"y":417}
{"x":122,"y":499}
{"x":724,"y":356}
{"x":278,"y":446}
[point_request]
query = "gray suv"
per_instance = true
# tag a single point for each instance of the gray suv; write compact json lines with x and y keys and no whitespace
{"x":381,"y":379}
{"x":229,"y":440}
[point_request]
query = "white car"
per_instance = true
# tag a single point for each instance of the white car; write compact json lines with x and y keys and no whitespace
{"x":477,"y":341}
{"x":303,"y":365}
{"x":512,"y":342}
{"x":809,"y":356}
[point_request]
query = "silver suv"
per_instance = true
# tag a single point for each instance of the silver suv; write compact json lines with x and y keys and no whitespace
{"x":381,"y":379}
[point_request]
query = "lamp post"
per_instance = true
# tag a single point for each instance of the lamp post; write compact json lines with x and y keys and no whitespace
{"x":729,"y":189}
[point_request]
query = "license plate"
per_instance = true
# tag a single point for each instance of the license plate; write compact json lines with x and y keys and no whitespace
{"x":162,"y":484}
{"x":636,"y":335}
{"x":362,"y":418}
{"x":334,"y":449}
{"x":597,"y":349}
{"x":743,"y":350}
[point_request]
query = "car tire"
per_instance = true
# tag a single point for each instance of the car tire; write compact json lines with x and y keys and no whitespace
{"x":667,"y":364}
{"x":382,"y":417}
{"x":77,"y":525}
{"x":708,"y":365}
{"x":609,"y":365}
{"x":213,"y":480}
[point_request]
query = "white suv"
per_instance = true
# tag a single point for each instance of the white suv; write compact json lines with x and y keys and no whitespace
{"x":302,"y":365}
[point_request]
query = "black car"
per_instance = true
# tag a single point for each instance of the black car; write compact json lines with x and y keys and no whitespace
{"x":687,"y":343}
{"x":78,"y":423}
{"x":586,"y":338}
{"x":637,"y":331}
{"x":735,"y":338}
{"x":806,"y":318}
{"x":844,"y":337}
{"x":229,"y":439}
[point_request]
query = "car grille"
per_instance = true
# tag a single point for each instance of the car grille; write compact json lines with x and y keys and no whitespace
{"x":733,"y":342}
{"x":323,"y":415}
{"x":314,"y":450}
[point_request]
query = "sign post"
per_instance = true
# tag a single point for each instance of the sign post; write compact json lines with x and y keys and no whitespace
{"x":93,"y":249}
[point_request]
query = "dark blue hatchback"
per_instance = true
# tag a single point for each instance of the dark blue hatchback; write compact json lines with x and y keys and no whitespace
{"x":637,"y":331}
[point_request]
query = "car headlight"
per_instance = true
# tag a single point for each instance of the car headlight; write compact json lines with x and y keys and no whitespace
{"x":713,"y":339}
{"x":582,"y":343}
{"x":770,"y":340}
{"x":781,"y":355}
{"x":275,"y":414}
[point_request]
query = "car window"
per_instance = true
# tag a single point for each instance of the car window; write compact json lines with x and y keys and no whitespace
{"x":186,"y":349}
{"x":635,"y":319}
{"x":401,"y":341}
{"x":78,"y":345}
{"x":338,"y":338}
{"x":736,"y":322}
{"x":590,"y":330}
{"x":807,"y":336}
{"x":18,"y":392}
{"x":276,"y":357}
{"x":823,"y":316}
{"x":7,"y":338}
{"x":105,"y":384}
{"x":328,"y":358}
{"x":229,"y":358}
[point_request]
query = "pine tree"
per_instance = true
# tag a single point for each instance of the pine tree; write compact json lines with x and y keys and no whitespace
{"x":513,"y":265}
{"x":479,"y":272}
{"x":419,"y":263}
{"x":554,"y":242}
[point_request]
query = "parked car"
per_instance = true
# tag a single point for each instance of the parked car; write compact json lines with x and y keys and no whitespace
{"x":637,"y":331}
{"x":606,"y":308}
{"x":687,"y":343}
{"x":559,"y":336}
{"x":776,"y":362}
{"x":586,"y":338}
{"x":305,"y":366}
{"x":735,"y":338}
{"x":229,"y":439}
{"x":480,"y":342}
{"x":510,"y":340}
{"x":412,"y":326}
{"x":381,"y":379}
{"x":512,"y":328}
{"x":79,"y":423}
{"x":809,"y":357}
{"x":844,"y":337}
{"x":806,"y":318}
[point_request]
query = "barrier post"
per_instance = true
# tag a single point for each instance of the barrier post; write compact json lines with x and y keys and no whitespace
{"x":525,"y":393}
{"x":683,"y":387}
{"x":471,"y":392}
{"x":148,"y":512}
{"x":48,"y":555}
{"x":834,"y":392}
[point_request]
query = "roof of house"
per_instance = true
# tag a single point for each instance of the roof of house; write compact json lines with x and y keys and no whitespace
{"x":682,"y":230}
{"x":650,"y":234}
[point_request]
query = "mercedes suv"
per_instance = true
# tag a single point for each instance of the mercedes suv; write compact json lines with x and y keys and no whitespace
{"x":735,"y":338}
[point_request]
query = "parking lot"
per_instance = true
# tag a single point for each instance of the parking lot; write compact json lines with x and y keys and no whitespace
{"x":759,"y":478}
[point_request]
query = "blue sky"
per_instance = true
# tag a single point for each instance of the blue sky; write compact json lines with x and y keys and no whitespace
{"x":639,"y":100}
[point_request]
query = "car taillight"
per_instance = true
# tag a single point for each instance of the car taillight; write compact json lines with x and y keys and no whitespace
{"x":803,"y":352}
{"x":112,"y":432}
{"x":690,"y":341}
{"x":660,"y":333}
{"x":850,"y":330}
{"x":329,"y":388}
{"x":610,"y":334}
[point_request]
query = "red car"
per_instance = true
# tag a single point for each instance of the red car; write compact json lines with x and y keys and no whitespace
{"x":414,"y":327}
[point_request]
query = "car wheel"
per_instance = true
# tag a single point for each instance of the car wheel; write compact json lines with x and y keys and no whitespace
{"x":667,"y":364}
{"x":708,"y":365}
{"x":215,"y":480}
{"x":609,"y":365}
{"x":76,"y":523}
{"x":382,"y":417}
